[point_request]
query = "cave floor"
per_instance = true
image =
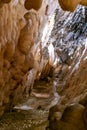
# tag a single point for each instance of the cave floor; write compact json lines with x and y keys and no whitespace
{"x":24,"y":120}
{"x":32,"y":114}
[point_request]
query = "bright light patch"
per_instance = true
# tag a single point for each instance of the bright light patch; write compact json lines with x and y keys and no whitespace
{"x":23,"y":107}
{"x":51,"y":54}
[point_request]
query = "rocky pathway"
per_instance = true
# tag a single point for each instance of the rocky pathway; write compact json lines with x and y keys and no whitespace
{"x":24,"y":120}
{"x":32,"y":114}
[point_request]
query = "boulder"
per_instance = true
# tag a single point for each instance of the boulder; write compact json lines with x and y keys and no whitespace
{"x":71,"y":118}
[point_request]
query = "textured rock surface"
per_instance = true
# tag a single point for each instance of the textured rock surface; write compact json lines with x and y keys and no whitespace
{"x":24,"y":120}
{"x":71,"y":110}
{"x":35,"y":67}
{"x":72,"y":118}
{"x":21,"y":33}
{"x":29,"y":4}
{"x":70,"y":5}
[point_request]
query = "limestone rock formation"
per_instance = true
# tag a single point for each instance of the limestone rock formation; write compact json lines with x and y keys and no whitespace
{"x":71,"y":73}
{"x":21,"y":33}
{"x":70,"y":119}
{"x":43,"y":53}
{"x":70,"y":5}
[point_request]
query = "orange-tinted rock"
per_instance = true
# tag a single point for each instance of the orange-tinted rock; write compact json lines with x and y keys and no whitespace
{"x":20,"y":35}
{"x":70,"y":5}
{"x":9,"y":51}
{"x":5,"y":1}
{"x":71,"y":118}
{"x":32,"y":4}
{"x":27,"y":34}
{"x":83,"y":2}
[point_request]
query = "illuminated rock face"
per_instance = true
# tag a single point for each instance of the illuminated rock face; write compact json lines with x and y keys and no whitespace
{"x":70,"y":5}
{"x":71,"y":110}
{"x":21,"y":33}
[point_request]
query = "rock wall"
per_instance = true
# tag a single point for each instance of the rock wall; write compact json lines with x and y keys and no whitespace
{"x":21,"y":37}
{"x":70,"y":43}
{"x":71,"y":111}
{"x":27,"y":55}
